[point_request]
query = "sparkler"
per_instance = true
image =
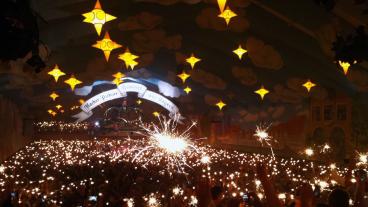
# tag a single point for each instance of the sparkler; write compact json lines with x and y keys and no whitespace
{"x":263,"y":137}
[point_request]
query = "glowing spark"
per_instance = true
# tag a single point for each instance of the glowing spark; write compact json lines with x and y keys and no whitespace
{"x":345,"y":66}
{"x":308,"y":85}
{"x":139,"y":101}
{"x":129,"y":59}
{"x":56,"y":73}
{"x":309,"y":152}
{"x":220,"y":104}
{"x":53,"y":96}
{"x":187,"y":90}
{"x":221,"y":4}
{"x":363,"y":159}
{"x":263,"y":137}
{"x":262,"y":92}
{"x":326,"y":148}
{"x":98,"y":17}
{"x":81,"y":101}
{"x":183,"y":76}
{"x":240,"y":52}
{"x":205,"y":159}
{"x":192,"y":60}
{"x":106,"y":45}
{"x":227,"y":14}
{"x":72,"y":82}
{"x":58,"y":106}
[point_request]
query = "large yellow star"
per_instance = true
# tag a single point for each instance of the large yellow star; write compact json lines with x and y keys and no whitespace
{"x":227,"y":14}
{"x":187,"y":90}
{"x":129,"y":59}
{"x":183,"y":76}
{"x":106,"y":45}
{"x":56,"y":73}
{"x":240,"y":52}
{"x":53,"y":96}
{"x":262,"y":92}
{"x":98,"y":17}
{"x":192,"y":60}
{"x":308,"y":85}
{"x":220,"y":104}
{"x":345,"y":66}
{"x":221,"y":4}
{"x":72,"y":82}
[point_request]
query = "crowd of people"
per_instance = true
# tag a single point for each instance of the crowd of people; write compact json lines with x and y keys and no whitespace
{"x":106,"y":172}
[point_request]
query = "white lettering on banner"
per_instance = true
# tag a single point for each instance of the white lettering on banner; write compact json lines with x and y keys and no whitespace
{"x":121,"y":92}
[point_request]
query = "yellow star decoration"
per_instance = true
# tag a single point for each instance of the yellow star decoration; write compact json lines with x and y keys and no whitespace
{"x":187,"y":90}
{"x":261,"y":92}
{"x":58,"y":106}
{"x":72,"y":82}
{"x":139,"y":101}
{"x":106,"y":45}
{"x":50,"y":111}
{"x":56,"y":73}
{"x":53,"y":96}
{"x":345,"y":66}
{"x":183,"y":76}
{"x":220,"y":104}
{"x":97,"y":17}
{"x":308,"y":85}
{"x":156,"y":114}
{"x":192,"y":60}
{"x":240,"y":52}
{"x":81,"y":101}
{"x":227,"y":14}
{"x":53,"y":113}
{"x":221,"y":4}
{"x":117,"y":81}
{"x":129,"y":59}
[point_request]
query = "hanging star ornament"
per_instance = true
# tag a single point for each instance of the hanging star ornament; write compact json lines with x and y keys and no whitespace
{"x":118,"y":76}
{"x":227,"y":14}
{"x":183,"y":76}
{"x":308,"y":85}
{"x":106,"y":45}
{"x":56,"y":73}
{"x":187,"y":90}
{"x":220,"y":104}
{"x":261,"y":92}
{"x":240,"y":52}
{"x":72,"y":82}
{"x":221,"y":4}
{"x":97,"y":17}
{"x":53,"y":96}
{"x":192,"y":60}
{"x":129,"y":59}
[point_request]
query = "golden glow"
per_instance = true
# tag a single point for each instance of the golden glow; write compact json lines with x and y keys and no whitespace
{"x":220,"y":104}
{"x":308,"y":85}
{"x":156,"y":114}
{"x":58,"y":106}
{"x":97,"y":17}
{"x":192,"y":60}
{"x":309,"y":152}
{"x":139,"y":101}
{"x":72,"y":82}
{"x":50,"y":111}
{"x":56,"y":73}
{"x":53,"y":96}
{"x":106,"y":45}
{"x":183,"y":76}
{"x":261,"y":92}
{"x":187,"y":90}
{"x":221,"y":4}
{"x":240,"y":52}
{"x":81,"y":101}
{"x":129,"y":59}
{"x":53,"y":113}
{"x":227,"y":14}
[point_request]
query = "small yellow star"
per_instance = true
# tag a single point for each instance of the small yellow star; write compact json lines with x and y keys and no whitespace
{"x":98,"y":17}
{"x":220,"y":104}
{"x":227,"y":14}
{"x":139,"y":101}
{"x":240,"y":52}
{"x":262,"y":92}
{"x":192,"y":60}
{"x":187,"y":90}
{"x":72,"y":82}
{"x":56,"y":73}
{"x":58,"y":106}
{"x":156,"y":114}
{"x":183,"y":76}
{"x":50,"y":111}
{"x":53,"y":113}
{"x":118,"y":75}
{"x":106,"y":45}
{"x":221,"y":4}
{"x":129,"y":59}
{"x":53,"y":96}
{"x":117,"y":81}
{"x":81,"y":101}
{"x":345,"y":66}
{"x":308,"y":85}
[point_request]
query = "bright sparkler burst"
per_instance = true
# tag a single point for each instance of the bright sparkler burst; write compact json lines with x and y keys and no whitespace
{"x":163,"y":141}
{"x":263,"y":137}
